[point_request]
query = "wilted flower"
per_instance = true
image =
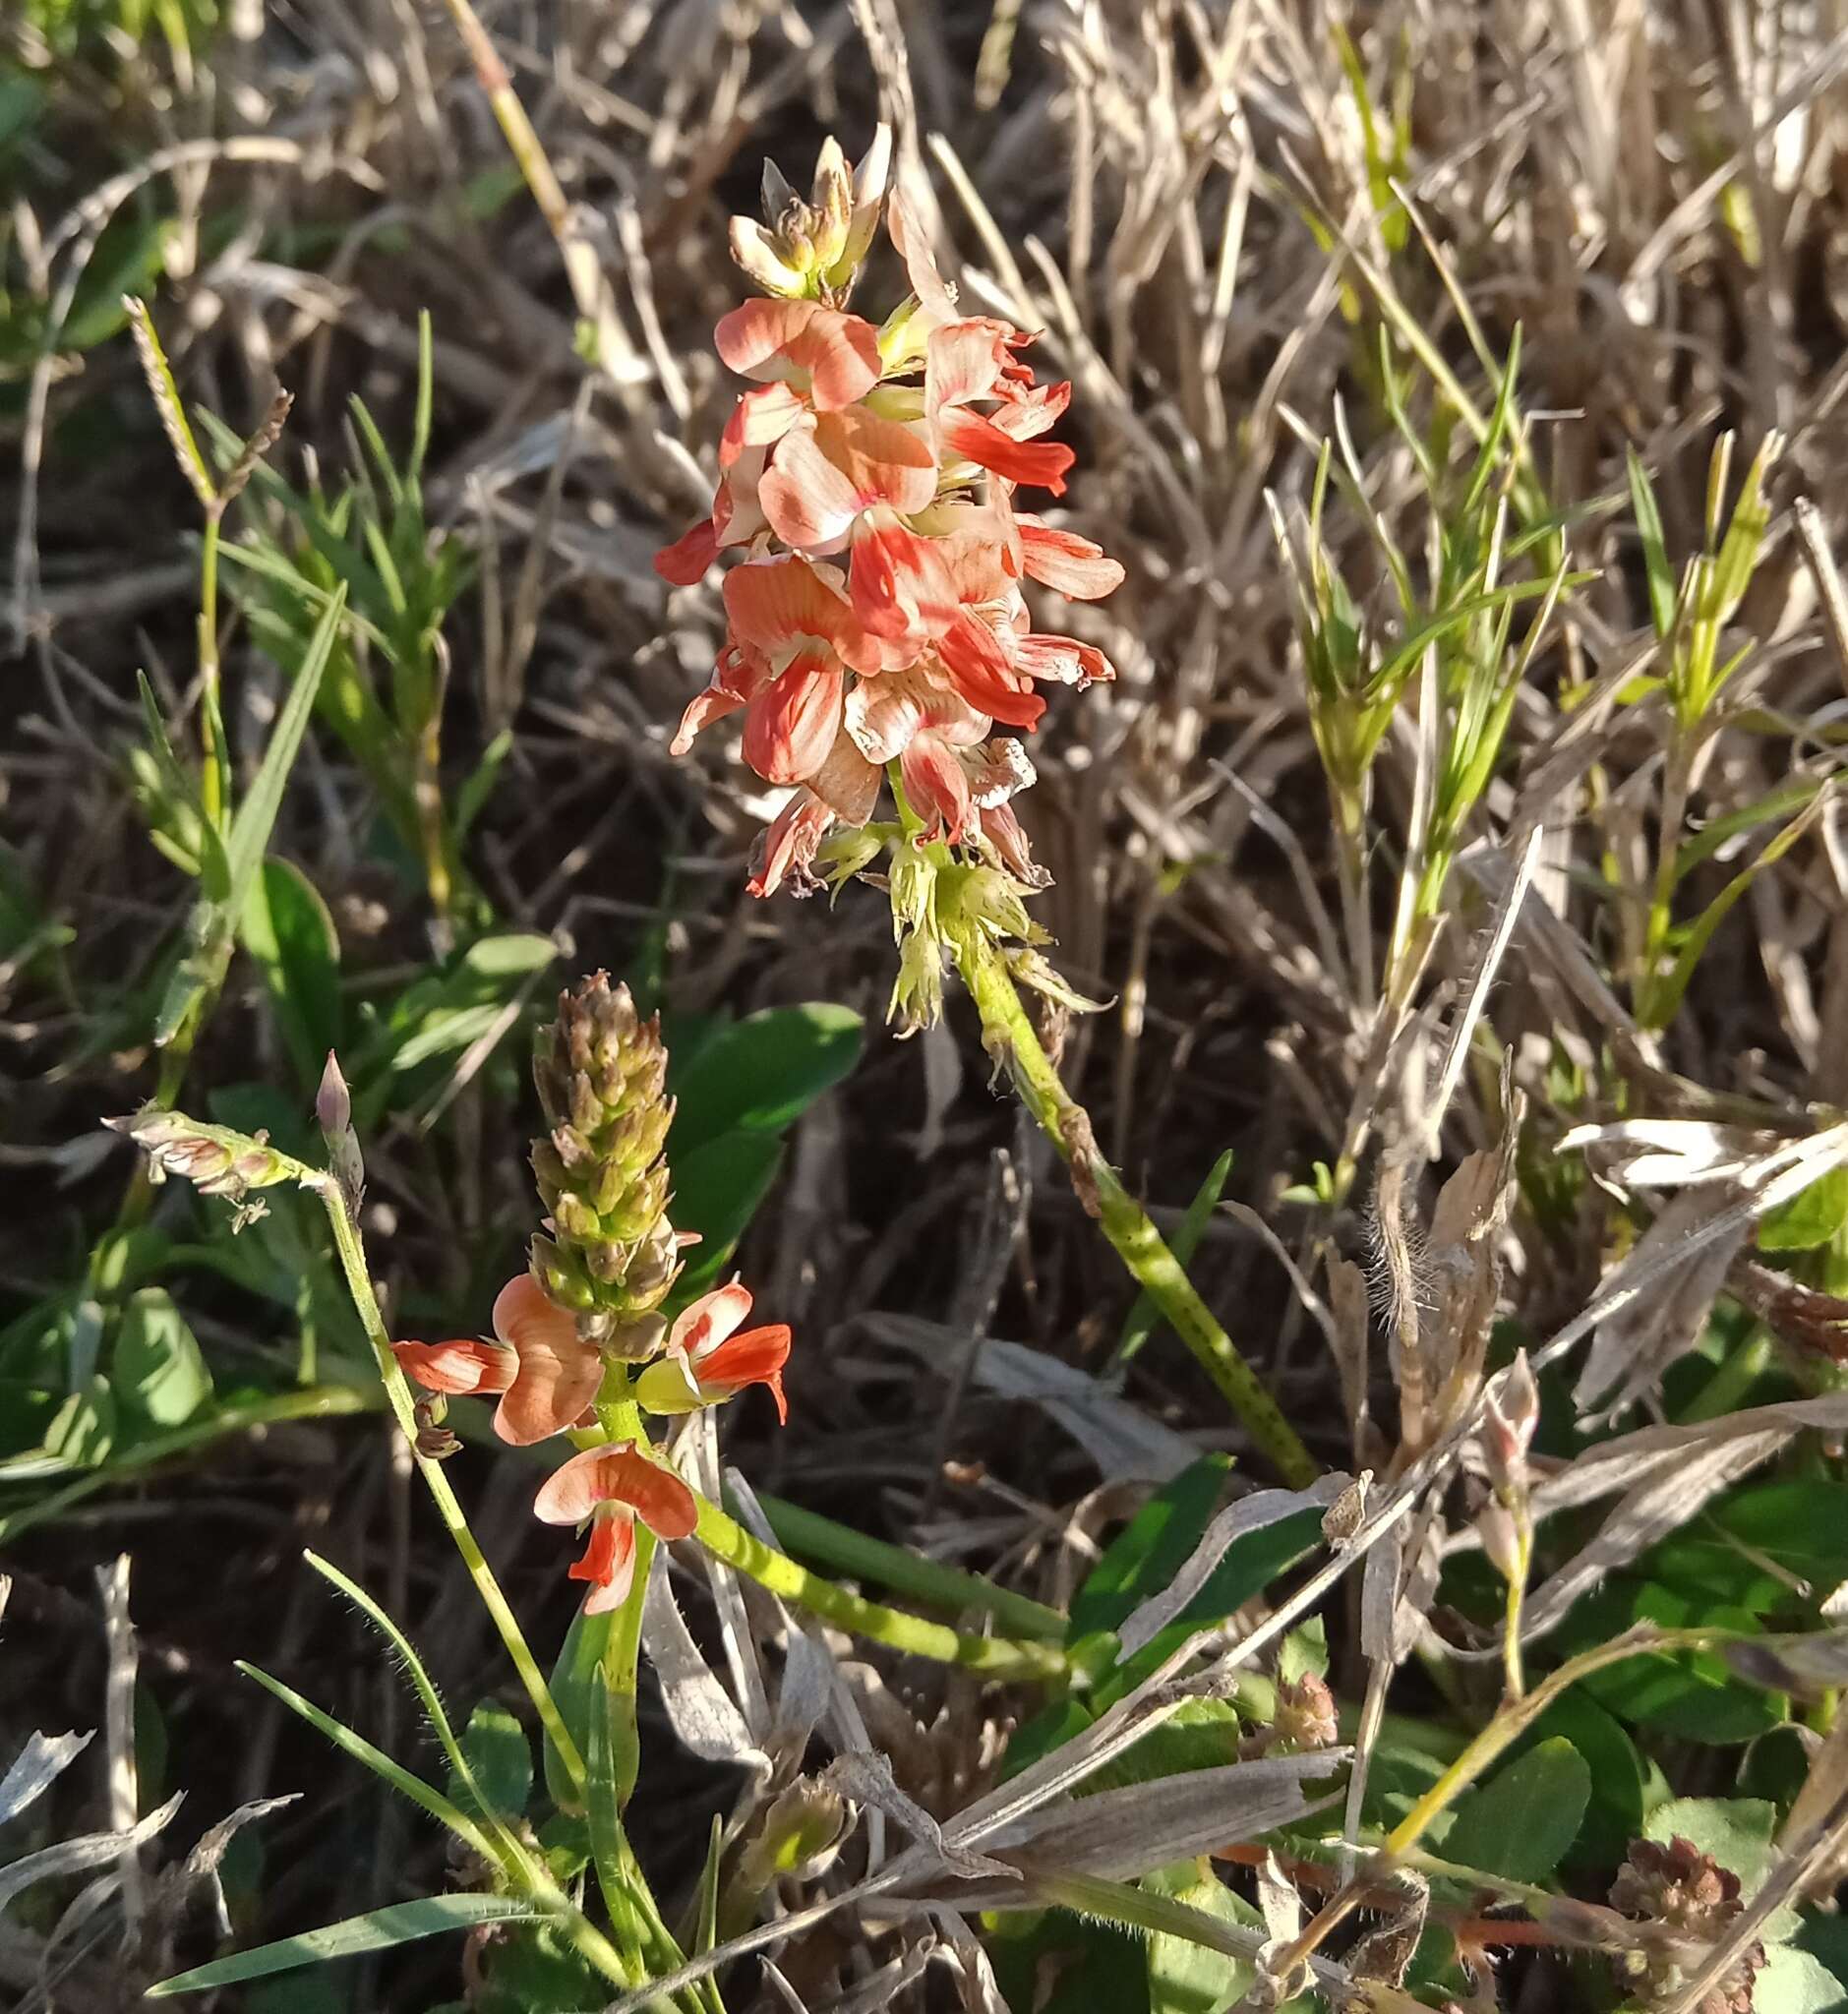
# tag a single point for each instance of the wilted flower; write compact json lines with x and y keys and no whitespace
{"x":709,"y":1359}
{"x":869,"y":477}
{"x":1686,"y":1892}
{"x":613,"y":1486}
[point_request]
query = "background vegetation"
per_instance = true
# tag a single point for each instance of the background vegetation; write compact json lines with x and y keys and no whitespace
{"x":1462,"y":385}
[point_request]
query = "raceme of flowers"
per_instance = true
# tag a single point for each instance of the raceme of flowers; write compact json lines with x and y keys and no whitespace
{"x":547,"y":1376}
{"x":869,"y":479}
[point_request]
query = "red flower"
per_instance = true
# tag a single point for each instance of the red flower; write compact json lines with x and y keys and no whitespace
{"x":614,"y":1486}
{"x":709,"y":1360}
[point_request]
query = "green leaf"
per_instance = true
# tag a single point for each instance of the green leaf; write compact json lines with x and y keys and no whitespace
{"x":1792,"y":1982}
{"x":443,"y":1012}
{"x":288,"y":929}
{"x":1812,"y":1217}
{"x":1692,"y":1694}
{"x":159,"y":1369}
{"x":717,"y":1189}
{"x":762,"y":1073}
{"x":1522,"y":1821}
{"x":577,"y":1688}
{"x":1614,"y":1816}
{"x":425,"y":1795}
{"x":1186,"y":1978}
{"x":1146,"y":1554}
{"x":1753,"y":1545}
{"x":1736,"y":1832}
{"x":257,"y":815}
{"x":1658,"y":575}
{"x":82,"y":1429}
{"x":501,"y":1758}
{"x":378,"y":1930}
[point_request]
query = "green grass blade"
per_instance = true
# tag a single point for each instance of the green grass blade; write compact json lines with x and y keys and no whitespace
{"x":257,"y":815}
{"x":1659,"y":573}
{"x":421,"y":1682}
{"x":378,"y":1930}
{"x":425,"y":1795}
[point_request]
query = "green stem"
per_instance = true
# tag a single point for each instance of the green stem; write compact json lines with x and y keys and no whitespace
{"x":1728,"y":1384}
{"x":352,"y":1255}
{"x":1513,"y":1719}
{"x":320,"y":1401}
{"x":1008,"y":1031}
{"x":996,"y":1656}
{"x":846,"y":1551}
{"x":622,"y":1420}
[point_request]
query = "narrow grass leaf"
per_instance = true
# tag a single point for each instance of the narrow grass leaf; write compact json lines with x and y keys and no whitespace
{"x":378,"y":1930}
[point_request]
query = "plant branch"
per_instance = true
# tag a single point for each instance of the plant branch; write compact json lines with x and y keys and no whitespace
{"x":1008,"y":1033}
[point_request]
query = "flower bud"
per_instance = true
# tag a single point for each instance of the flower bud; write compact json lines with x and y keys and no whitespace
{"x":760,"y":254}
{"x":610,"y":1254}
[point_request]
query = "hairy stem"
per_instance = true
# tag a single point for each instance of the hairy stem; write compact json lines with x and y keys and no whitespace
{"x":352,"y":1255}
{"x":1008,"y":1033}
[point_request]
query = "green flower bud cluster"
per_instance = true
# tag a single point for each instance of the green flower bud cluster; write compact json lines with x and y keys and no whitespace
{"x":608,"y":1251}
{"x":813,"y":251}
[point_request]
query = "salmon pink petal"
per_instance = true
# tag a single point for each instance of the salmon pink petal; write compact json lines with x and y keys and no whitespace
{"x":759,"y":419}
{"x":964,"y":360}
{"x":685,"y":560}
{"x":756,"y":1357}
{"x":558,"y":1372}
{"x":807,"y":501}
{"x":609,"y":1562}
{"x":790,"y":726}
{"x":709,"y":1320}
{"x":621,"y":1476}
{"x":468,"y":1364}
{"x":714,"y":703}
{"x":821,"y":477}
{"x":911,"y":242}
{"x":847,"y":784}
{"x":979,"y":667}
{"x":883,"y":715}
{"x":1004,"y":832}
{"x":835,"y":356}
{"x":935,"y":784}
{"x":1062,"y":659}
{"x":1029,"y":413}
{"x":774,"y":604}
{"x":787,"y":848}
{"x":897,"y":581}
{"x":1066,"y":562}
{"x":969,"y":437}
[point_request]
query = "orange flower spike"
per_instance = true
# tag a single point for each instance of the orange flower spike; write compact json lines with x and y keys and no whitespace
{"x":709,"y":1359}
{"x":613,"y":1486}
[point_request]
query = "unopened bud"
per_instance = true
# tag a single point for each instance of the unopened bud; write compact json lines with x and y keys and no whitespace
{"x":1511,"y":1411}
{"x":334,"y":1103}
{"x":760,"y":256}
{"x":870,"y":182}
{"x":334,"y":1108}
